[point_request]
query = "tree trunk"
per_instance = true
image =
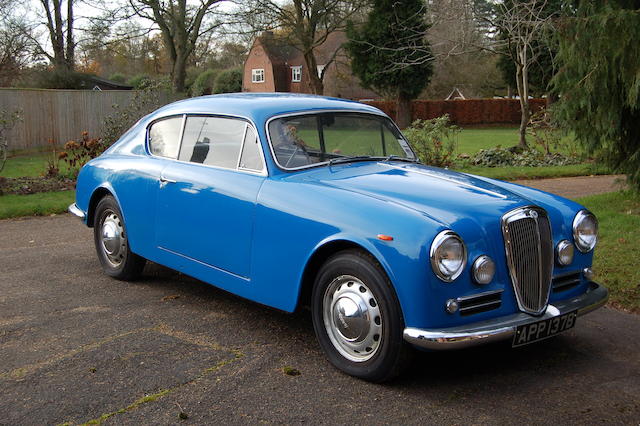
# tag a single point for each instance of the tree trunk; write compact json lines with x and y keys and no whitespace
{"x":179,"y":73}
{"x":403,"y":115}
{"x":523,"y":92}
{"x":71,"y":45}
{"x":315,"y":82}
{"x":524,"y":121}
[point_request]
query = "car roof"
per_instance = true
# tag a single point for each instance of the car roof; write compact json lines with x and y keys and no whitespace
{"x":259,"y":107}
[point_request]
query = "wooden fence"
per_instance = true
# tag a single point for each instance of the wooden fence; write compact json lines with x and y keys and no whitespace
{"x":62,"y":115}
{"x":475,"y":112}
{"x":59,"y":115}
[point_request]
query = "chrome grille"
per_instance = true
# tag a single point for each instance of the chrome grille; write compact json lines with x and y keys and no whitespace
{"x":529,"y":248}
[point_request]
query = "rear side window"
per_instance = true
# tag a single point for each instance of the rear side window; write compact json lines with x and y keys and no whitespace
{"x":164,"y":137}
{"x":213,"y":141}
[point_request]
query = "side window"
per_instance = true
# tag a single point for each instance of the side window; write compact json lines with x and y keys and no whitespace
{"x":250,"y":158}
{"x":164,"y":137}
{"x":213,"y":141}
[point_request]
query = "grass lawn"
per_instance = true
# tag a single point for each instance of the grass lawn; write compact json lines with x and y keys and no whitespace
{"x":618,"y":249}
{"x":471,"y":141}
{"x":40,"y":204}
{"x":30,"y":165}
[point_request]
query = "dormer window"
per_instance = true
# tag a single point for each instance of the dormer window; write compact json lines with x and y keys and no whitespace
{"x":257,"y":75}
{"x":296,"y":74}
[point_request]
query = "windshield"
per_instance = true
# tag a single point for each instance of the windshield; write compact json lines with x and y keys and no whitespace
{"x":304,"y":140}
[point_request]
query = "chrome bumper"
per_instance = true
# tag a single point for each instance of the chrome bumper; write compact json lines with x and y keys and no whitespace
{"x":74,"y":210}
{"x":504,"y":327}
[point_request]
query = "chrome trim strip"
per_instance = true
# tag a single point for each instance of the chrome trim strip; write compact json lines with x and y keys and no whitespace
{"x":205,"y":264}
{"x":478,"y":296}
{"x":503,"y":327}
{"x":75,"y":210}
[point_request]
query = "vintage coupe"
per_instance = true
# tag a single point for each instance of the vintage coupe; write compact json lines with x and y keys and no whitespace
{"x":294,"y":200}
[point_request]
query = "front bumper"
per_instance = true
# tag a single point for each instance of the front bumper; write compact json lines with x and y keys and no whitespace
{"x":504,"y":327}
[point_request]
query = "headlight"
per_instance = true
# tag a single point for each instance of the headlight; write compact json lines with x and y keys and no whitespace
{"x":483,"y":269}
{"x":585,"y":231}
{"x":564,"y":253}
{"x":448,"y":256}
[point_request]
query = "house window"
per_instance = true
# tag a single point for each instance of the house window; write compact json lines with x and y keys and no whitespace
{"x":320,"y":68}
{"x":296,"y":74}
{"x":257,"y":75}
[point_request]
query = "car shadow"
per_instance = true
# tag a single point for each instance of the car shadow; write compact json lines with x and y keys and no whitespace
{"x":496,"y":362}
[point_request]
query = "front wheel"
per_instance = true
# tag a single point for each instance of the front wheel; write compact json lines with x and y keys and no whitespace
{"x":357,"y":317}
{"x":112,"y":244}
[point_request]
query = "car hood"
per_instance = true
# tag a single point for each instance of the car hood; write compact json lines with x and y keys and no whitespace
{"x":445,"y":196}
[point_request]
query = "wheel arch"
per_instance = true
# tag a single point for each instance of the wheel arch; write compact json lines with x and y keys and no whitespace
{"x":98,"y":195}
{"x":322,"y":253}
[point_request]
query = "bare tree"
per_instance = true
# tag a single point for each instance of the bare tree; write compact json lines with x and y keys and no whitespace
{"x":59,"y":23}
{"x":522,"y":23}
{"x":14,"y":50}
{"x":181,"y":23}
{"x":458,"y":37}
{"x":306,"y":25}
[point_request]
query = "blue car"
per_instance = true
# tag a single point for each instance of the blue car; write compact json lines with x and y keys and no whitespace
{"x":303,"y":201}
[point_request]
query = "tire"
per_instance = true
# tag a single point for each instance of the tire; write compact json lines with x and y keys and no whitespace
{"x":112,"y":246}
{"x":357,"y":317}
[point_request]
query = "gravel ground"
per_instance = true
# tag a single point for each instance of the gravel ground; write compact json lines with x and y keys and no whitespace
{"x":76,"y":346}
{"x":579,"y":186}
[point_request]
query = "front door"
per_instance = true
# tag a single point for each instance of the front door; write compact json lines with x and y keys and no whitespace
{"x":206,"y":199}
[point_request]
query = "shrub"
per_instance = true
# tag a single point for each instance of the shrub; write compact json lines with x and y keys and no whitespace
{"x":59,"y":79}
{"x":8,"y":119}
{"x":77,"y":153}
{"x":498,"y":157}
{"x":118,"y":77}
{"x":229,"y":81}
{"x":140,"y":81}
{"x":433,"y":140}
{"x":203,"y":84}
{"x":122,"y":118}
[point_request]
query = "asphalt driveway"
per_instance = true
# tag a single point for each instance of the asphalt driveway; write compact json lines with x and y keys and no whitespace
{"x":76,"y":346}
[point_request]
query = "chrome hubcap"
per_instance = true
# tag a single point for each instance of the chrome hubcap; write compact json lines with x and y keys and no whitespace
{"x":113,"y":238}
{"x":352,"y":318}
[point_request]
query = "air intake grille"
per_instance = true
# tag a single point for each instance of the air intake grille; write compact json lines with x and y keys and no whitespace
{"x":529,"y":248}
{"x":566,"y":281}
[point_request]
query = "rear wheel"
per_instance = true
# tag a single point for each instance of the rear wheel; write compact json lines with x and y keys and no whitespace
{"x":112,"y":245}
{"x":357,"y":317}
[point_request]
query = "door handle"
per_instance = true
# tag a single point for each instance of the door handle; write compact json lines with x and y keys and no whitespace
{"x":164,"y":180}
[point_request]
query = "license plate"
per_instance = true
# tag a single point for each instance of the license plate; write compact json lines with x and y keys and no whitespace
{"x":541,"y":330}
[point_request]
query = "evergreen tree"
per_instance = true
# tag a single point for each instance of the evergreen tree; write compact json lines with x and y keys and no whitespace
{"x":390,"y":54}
{"x":599,"y":81}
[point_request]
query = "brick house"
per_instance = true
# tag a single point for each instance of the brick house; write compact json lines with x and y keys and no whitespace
{"x":273,"y":65}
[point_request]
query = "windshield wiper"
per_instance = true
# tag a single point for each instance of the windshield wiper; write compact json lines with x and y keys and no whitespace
{"x":405,"y":159}
{"x":349,"y":159}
